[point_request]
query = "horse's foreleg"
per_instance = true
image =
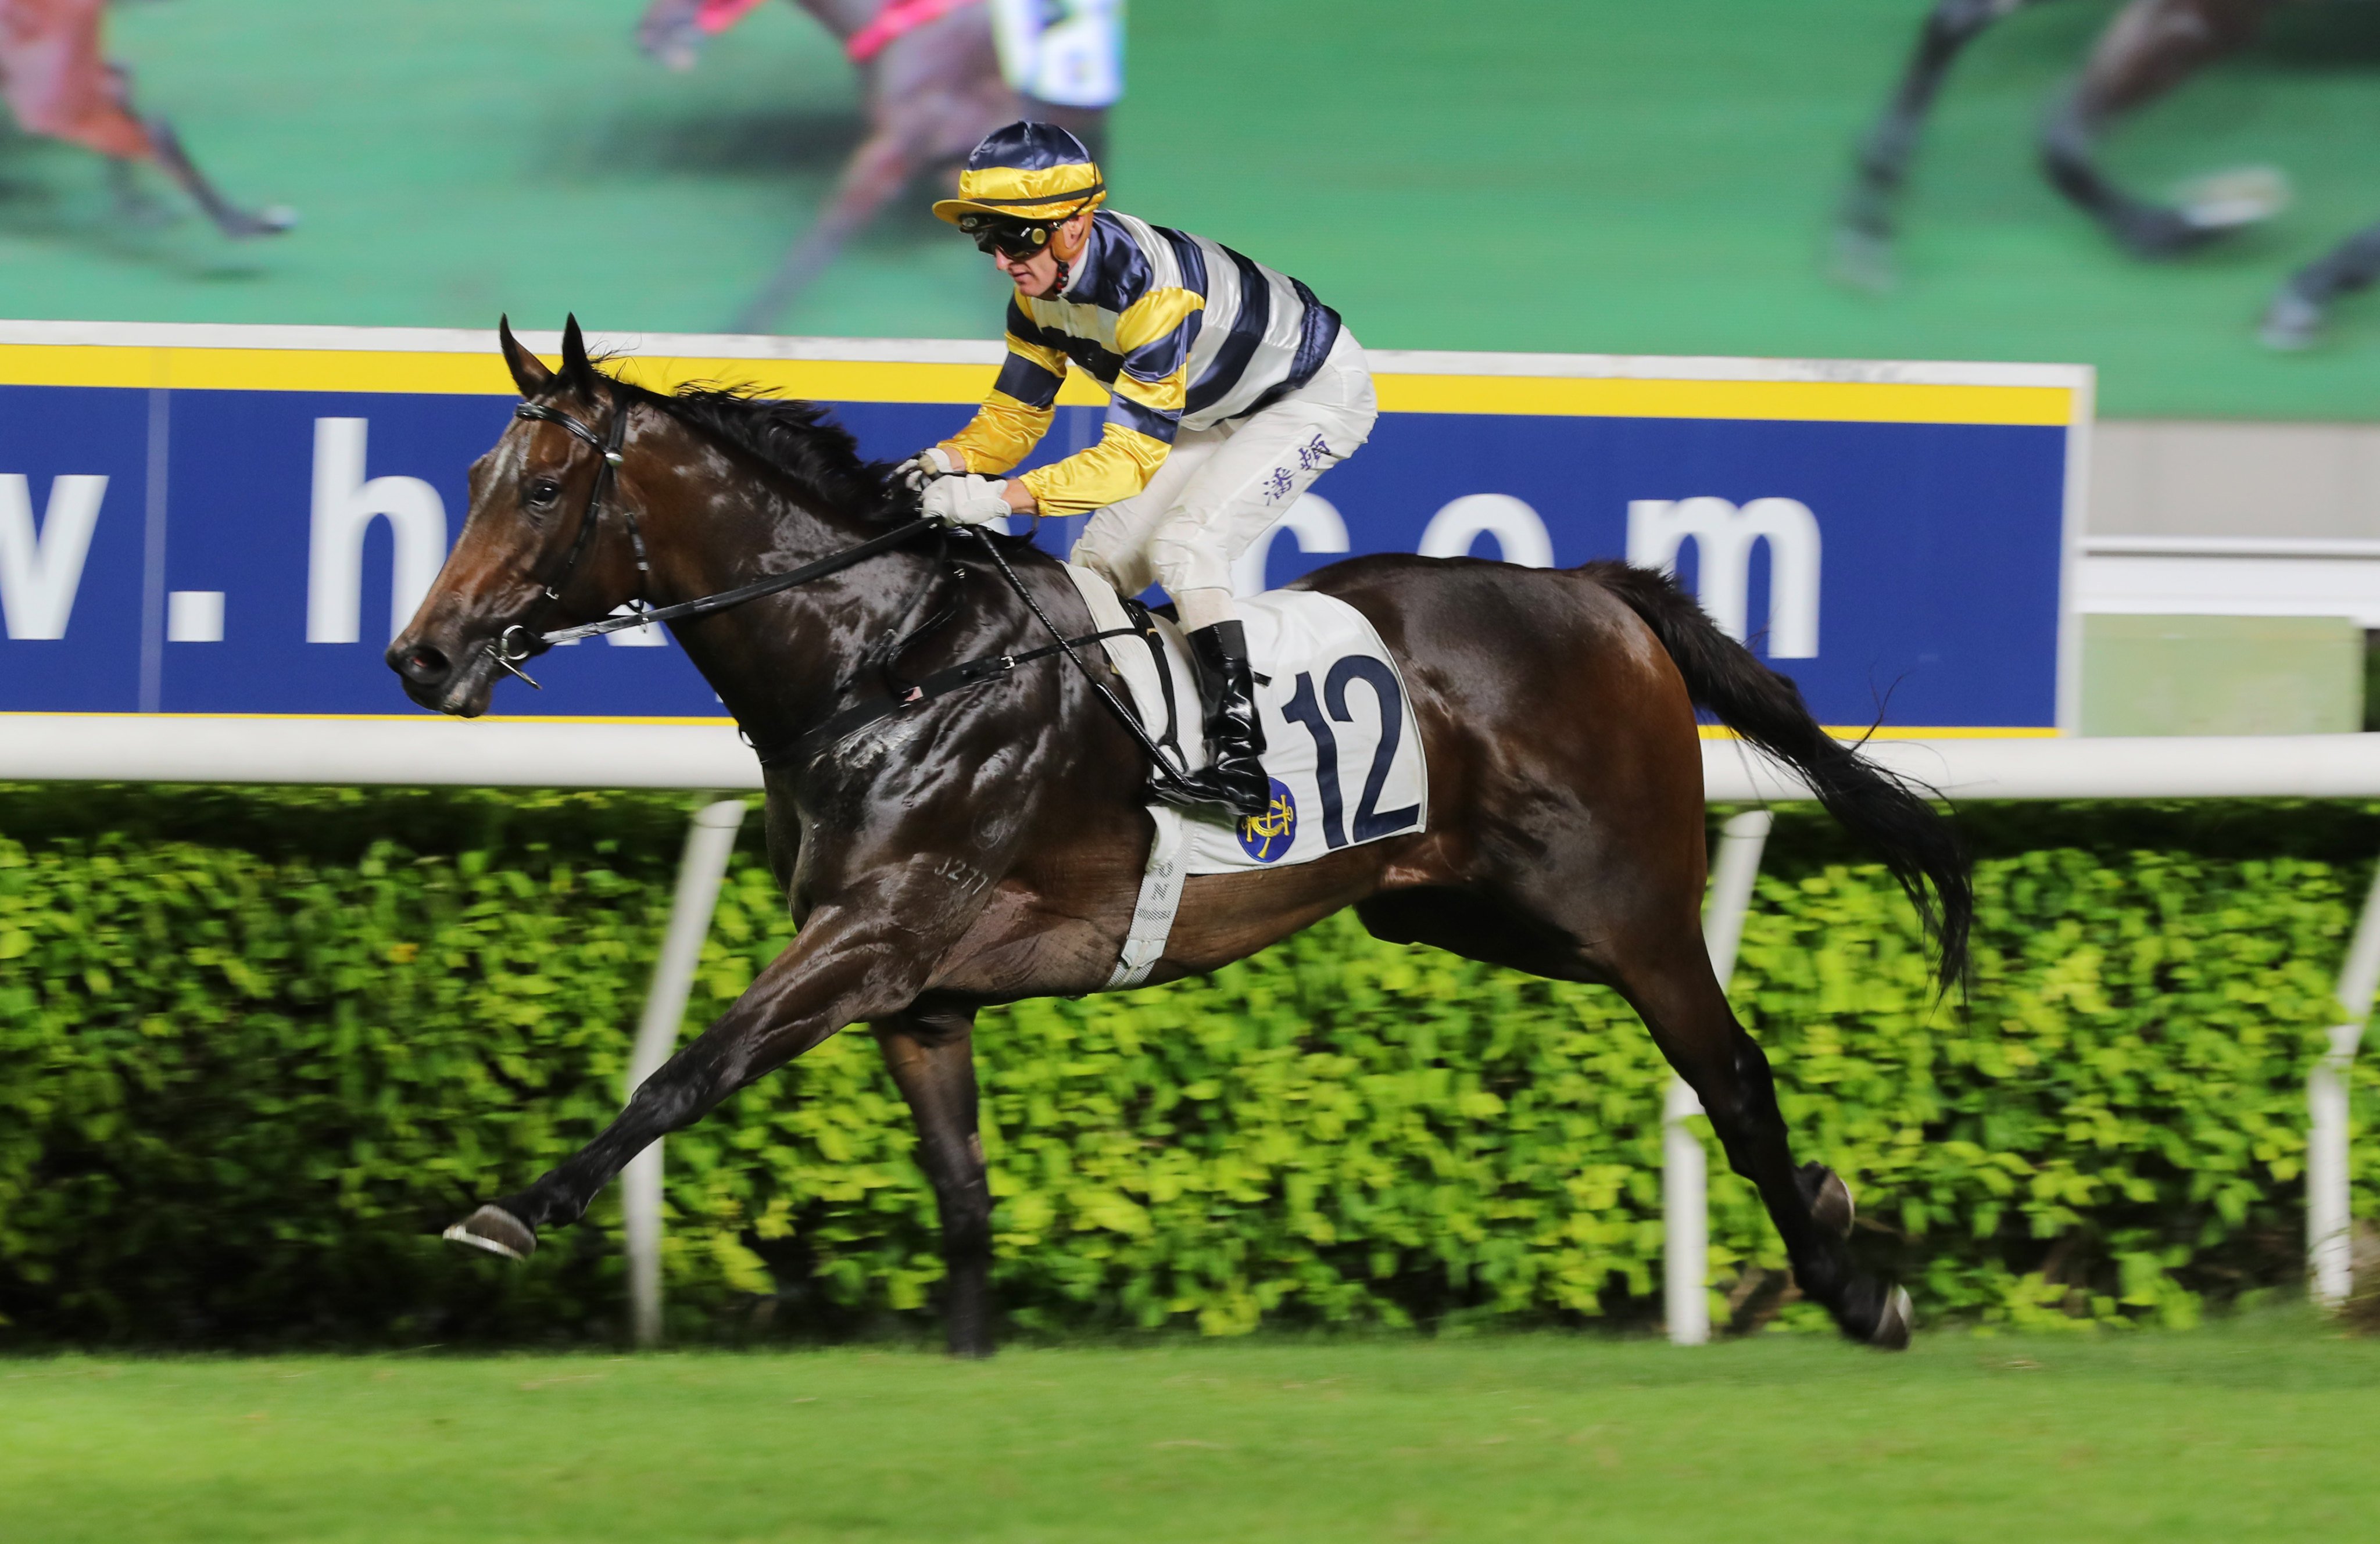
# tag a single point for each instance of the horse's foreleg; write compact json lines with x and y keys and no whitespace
{"x":2152,"y":47}
{"x":1863,"y":231}
{"x":1673,"y":990}
{"x":837,"y":972}
{"x":877,"y":170}
{"x":932,"y":1055}
{"x":2296,"y":315}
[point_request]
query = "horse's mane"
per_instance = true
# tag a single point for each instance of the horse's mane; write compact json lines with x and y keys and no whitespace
{"x":799,"y":442}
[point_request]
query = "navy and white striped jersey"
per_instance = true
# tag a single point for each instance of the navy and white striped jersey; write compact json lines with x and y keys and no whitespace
{"x":1184,"y":331}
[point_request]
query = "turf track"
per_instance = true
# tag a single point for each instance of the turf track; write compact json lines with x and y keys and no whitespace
{"x":1597,"y":174}
{"x":2264,"y":1431}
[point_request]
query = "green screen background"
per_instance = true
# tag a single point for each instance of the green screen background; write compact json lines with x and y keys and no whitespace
{"x":1588,"y":175}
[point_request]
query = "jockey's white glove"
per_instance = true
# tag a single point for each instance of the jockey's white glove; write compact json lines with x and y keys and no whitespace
{"x":923,"y":468}
{"x":967,"y":500}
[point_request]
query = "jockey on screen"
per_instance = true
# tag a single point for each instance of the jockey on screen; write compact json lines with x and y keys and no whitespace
{"x":1232,"y":388}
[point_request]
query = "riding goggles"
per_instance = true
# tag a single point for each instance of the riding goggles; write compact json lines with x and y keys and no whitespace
{"x":1015,"y":239}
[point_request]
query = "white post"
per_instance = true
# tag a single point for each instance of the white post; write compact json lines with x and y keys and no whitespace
{"x":2330,"y":1222}
{"x":709,"y":842}
{"x":1685,"y":1170}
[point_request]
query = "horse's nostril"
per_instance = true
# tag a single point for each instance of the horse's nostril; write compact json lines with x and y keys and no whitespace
{"x":425,"y":664}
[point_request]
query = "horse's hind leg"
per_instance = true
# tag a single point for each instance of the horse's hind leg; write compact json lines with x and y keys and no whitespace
{"x":2152,"y":47}
{"x":932,"y":1055}
{"x":1648,"y":945}
{"x":1682,"y":1003}
{"x":2295,"y":317}
{"x":1864,"y":230}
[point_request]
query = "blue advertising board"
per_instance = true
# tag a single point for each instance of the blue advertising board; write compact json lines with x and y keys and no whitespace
{"x":217,"y":520}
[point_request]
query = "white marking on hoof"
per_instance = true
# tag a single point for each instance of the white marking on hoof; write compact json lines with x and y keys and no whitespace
{"x":461,"y":1234}
{"x":1893,"y":1327}
{"x":496,"y":1222}
{"x":2227,"y":200}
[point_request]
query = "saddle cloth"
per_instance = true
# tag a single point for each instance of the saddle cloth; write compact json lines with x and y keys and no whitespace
{"x":1340,"y":742}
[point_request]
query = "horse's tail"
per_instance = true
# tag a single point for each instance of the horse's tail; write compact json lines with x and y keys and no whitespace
{"x":1892,"y":815}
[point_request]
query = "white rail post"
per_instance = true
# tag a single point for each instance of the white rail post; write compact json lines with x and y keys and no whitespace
{"x":710,"y":842}
{"x":2330,"y":1273}
{"x":1685,"y":1168}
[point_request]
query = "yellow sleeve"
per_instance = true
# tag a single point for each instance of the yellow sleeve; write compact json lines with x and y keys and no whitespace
{"x":1154,"y":335}
{"x":1017,"y":413}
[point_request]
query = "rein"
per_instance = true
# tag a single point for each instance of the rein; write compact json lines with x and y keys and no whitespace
{"x":897,"y":19}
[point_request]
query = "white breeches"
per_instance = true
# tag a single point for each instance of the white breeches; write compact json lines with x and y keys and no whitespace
{"x":1222,"y":488}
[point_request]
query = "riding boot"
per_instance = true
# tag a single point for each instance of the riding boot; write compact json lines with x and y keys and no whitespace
{"x":1233,"y":776}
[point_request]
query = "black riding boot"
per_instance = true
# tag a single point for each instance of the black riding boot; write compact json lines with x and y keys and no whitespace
{"x":1233,"y":776}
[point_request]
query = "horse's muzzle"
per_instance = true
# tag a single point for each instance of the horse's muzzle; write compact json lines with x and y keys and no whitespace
{"x":433,"y":678}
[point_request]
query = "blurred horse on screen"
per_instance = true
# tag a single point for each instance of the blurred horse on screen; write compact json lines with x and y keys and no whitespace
{"x":2147,"y":49}
{"x":931,"y":73}
{"x":61,"y":86}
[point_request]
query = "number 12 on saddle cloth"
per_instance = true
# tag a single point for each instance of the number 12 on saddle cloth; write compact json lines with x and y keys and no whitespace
{"x":1340,"y":742}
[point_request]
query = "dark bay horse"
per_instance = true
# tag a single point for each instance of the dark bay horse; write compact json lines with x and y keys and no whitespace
{"x":988,"y":845}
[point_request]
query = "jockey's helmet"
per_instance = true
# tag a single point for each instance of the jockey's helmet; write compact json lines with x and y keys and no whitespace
{"x":1021,"y":182}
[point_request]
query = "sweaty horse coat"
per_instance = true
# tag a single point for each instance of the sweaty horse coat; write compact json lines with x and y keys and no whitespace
{"x":988,"y":845}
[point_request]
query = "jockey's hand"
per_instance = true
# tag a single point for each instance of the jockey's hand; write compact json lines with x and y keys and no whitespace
{"x":923,"y":468}
{"x":967,"y":500}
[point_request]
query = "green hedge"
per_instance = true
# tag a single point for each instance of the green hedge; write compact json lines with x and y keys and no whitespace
{"x":256,"y":1048}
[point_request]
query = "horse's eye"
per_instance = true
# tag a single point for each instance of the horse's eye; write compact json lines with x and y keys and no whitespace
{"x":543,"y":490}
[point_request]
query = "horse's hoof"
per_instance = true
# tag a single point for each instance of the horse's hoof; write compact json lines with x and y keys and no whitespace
{"x":2291,"y":323}
{"x":2227,"y":200}
{"x":2156,"y":233}
{"x":1864,"y":259}
{"x":496,"y":1230}
{"x":1894,"y":1325}
{"x":1830,"y":1200}
{"x":240,"y":224}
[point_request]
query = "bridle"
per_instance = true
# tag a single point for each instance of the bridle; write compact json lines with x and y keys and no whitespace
{"x":521,"y":642}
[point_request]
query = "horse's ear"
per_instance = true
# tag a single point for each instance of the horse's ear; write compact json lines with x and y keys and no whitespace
{"x":528,"y":371}
{"x":577,"y":368}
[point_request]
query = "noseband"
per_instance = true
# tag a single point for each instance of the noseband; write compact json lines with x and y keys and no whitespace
{"x":521,"y":642}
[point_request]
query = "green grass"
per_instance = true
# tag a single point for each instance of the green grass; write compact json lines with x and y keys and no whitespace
{"x":2264,"y":1429}
{"x":1563,"y":174}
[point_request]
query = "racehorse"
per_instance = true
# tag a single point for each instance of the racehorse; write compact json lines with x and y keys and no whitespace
{"x":931,"y":76}
{"x":59,"y":84}
{"x":947,"y":846}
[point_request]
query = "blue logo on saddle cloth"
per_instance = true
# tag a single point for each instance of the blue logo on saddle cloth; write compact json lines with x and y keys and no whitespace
{"x":1266,"y":836}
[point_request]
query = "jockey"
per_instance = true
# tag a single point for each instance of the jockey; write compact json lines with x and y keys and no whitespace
{"x":1231,"y":389}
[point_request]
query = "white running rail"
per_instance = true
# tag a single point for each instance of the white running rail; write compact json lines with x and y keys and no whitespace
{"x":526,"y":753}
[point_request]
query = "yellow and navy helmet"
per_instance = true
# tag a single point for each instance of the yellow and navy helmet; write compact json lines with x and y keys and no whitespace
{"x":1025,"y":172}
